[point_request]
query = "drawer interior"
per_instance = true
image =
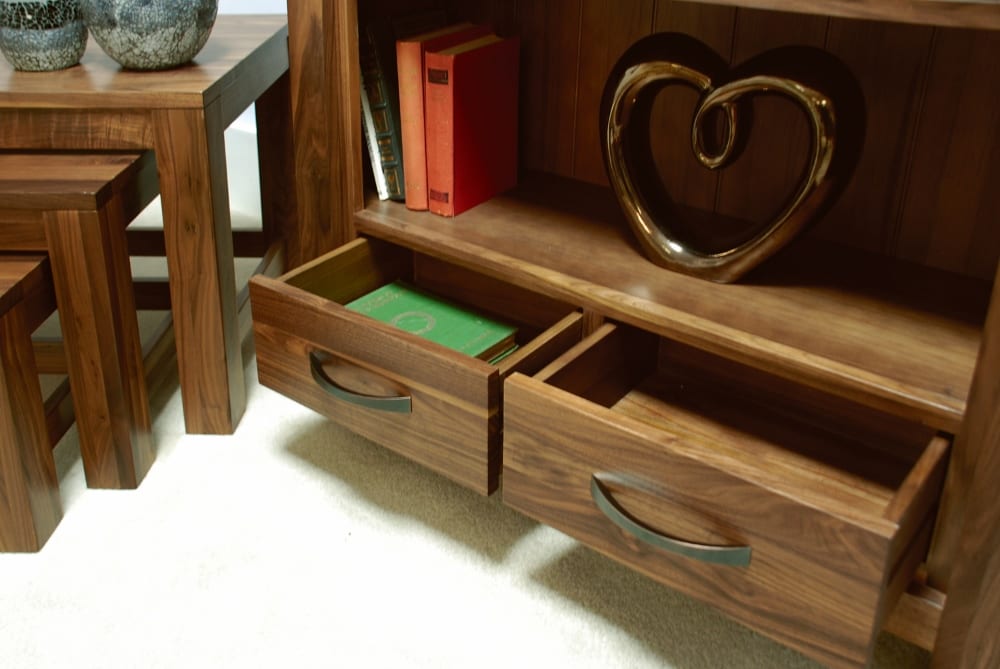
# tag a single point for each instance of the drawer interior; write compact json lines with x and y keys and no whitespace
{"x":827,"y":451}
{"x":366,"y":264}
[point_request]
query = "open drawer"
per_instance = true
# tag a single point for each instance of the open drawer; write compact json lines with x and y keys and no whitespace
{"x":802,"y":515}
{"x":432,"y":404}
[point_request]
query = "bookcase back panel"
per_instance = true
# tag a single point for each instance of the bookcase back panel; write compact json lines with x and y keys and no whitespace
{"x":925,"y":186}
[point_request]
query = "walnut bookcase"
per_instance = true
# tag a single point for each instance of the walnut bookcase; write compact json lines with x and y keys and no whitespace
{"x":887,"y":302}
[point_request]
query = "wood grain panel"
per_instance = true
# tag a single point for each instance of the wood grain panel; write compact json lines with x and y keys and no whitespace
{"x":917,"y":616}
{"x":326,"y":119}
{"x":43,"y":130}
{"x":550,"y":50}
{"x":80,"y":205}
{"x":105,"y":362}
{"x":684,"y":490}
{"x":275,"y":148}
{"x":963,"y":516}
{"x":966,"y":553}
{"x":770,"y":322}
{"x":607,"y":28}
{"x":214,"y":403}
{"x":866,"y":213}
{"x":687,"y":181}
{"x":30,"y":506}
{"x":952,"y":201}
{"x":311,"y":108}
{"x":757,"y":184}
{"x":452,"y":435}
{"x":981,"y":13}
{"x":501,"y":15}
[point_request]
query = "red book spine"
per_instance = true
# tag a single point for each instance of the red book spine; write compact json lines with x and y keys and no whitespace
{"x":439,"y":133}
{"x":410,"y":54}
{"x":411,"y":117}
{"x":470,"y":93}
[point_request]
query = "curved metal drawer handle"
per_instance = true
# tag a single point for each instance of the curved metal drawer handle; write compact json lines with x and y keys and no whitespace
{"x":733,"y":556}
{"x":398,"y":404}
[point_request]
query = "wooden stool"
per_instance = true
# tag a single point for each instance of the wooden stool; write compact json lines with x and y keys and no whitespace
{"x":29,"y":489}
{"x":75,"y":207}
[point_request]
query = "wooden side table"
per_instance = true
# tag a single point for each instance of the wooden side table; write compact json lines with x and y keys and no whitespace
{"x":75,"y":208}
{"x":181,"y":114}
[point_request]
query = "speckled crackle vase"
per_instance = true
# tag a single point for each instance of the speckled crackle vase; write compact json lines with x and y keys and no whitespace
{"x":42,"y":35}
{"x":150,"y":34}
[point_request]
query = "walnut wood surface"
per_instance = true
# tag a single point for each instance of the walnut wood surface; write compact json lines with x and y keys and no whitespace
{"x":30,"y":506}
{"x":972,"y":521}
{"x":100,"y":83}
{"x":925,"y":189}
{"x":950,"y":204}
{"x":64,"y":180}
{"x":709,"y":465}
{"x":898,"y":202}
{"x":974,"y":14}
{"x":454,"y":425}
{"x":918,"y":361}
{"x":81,"y":205}
{"x":917,"y":616}
{"x":279,"y":207}
{"x":325,"y":80}
{"x":181,"y":114}
{"x":93,"y":284}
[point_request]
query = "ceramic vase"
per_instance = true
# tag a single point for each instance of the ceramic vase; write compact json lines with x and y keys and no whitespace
{"x":42,"y":35}
{"x":150,"y":34}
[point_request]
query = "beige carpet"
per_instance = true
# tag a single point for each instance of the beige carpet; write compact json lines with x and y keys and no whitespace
{"x":293,"y":543}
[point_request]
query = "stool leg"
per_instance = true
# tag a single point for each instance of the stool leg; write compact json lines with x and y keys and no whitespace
{"x":96,"y":304}
{"x":30,"y":506}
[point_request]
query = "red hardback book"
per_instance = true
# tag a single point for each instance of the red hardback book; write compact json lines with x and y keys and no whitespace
{"x":470,"y":93}
{"x":410,"y":68}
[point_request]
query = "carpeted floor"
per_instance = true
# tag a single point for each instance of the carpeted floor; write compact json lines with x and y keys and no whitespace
{"x":293,"y":543}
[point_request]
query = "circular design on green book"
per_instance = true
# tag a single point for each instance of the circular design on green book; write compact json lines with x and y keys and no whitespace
{"x":416,"y":322}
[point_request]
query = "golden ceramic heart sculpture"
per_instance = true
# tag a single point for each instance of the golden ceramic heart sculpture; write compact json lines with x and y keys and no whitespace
{"x":810,"y":78}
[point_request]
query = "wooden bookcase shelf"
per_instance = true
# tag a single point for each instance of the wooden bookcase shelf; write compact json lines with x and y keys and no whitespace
{"x":952,"y":13}
{"x":888,"y":302}
{"x":892,"y":334}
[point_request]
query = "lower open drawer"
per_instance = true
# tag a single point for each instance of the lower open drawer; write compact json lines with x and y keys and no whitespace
{"x":801,"y":515}
{"x":428,"y":402}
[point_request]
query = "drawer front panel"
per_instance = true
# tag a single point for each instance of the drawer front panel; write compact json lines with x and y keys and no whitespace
{"x":452,"y":438}
{"x":452,"y":422}
{"x":818,"y":590}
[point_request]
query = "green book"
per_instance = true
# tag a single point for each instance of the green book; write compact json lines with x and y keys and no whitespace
{"x":436,"y":319}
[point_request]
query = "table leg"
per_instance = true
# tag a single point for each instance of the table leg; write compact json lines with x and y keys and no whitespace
{"x":273,"y":111}
{"x":30,"y":507}
{"x":90,"y":270}
{"x":191,"y":161}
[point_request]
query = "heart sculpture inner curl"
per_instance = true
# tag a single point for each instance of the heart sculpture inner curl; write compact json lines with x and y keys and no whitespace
{"x":818,"y":83}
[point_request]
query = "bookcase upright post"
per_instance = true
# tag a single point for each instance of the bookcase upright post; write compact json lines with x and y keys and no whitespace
{"x":326,"y":120}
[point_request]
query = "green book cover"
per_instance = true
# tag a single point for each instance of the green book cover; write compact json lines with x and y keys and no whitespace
{"x":436,"y":319}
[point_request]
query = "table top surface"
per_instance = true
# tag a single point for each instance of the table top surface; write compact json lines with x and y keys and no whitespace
{"x":238,"y":45}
